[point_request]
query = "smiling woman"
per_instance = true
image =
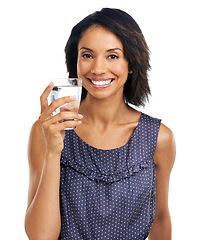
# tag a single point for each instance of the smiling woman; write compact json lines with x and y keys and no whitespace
{"x":108,"y":177}
{"x":101,"y":63}
{"x":134,"y":47}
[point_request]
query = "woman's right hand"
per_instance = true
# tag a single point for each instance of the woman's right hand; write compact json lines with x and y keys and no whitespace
{"x":54,"y":126}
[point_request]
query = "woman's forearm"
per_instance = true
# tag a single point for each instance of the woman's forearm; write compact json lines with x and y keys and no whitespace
{"x":161,"y":229}
{"x":42,"y":219}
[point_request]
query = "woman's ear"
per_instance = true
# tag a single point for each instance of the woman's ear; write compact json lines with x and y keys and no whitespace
{"x":130,"y":69}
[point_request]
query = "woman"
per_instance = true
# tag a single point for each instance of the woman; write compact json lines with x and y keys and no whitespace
{"x":109,"y":177}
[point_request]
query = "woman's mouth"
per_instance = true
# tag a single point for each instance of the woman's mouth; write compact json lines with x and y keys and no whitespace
{"x":101,"y":83}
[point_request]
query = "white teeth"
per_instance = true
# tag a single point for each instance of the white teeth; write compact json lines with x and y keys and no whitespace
{"x":101,"y":82}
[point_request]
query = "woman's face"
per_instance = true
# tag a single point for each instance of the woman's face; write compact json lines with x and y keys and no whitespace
{"x":101,"y":63}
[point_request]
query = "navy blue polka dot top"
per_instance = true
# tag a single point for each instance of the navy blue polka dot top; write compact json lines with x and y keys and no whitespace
{"x":109,"y":194}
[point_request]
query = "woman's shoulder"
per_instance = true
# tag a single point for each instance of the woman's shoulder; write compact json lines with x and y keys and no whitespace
{"x":165,"y":137}
{"x":165,"y":148}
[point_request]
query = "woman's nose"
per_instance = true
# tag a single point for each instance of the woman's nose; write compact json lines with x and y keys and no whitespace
{"x":98,"y":67}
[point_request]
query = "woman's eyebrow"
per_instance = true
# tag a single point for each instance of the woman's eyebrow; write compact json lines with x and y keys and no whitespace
{"x":88,"y":49}
{"x":113,"y":49}
{"x":109,"y":50}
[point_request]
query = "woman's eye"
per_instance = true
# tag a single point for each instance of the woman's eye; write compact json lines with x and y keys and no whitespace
{"x":113,"y":56}
{"x":86,"y":55}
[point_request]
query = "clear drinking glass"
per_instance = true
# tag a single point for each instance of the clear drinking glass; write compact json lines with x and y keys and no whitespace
{"x":67,"y":87}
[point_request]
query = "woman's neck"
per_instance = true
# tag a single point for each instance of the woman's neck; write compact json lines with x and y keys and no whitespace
{"x":103,"y":111}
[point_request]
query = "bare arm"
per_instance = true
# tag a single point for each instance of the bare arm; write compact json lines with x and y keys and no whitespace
{"x":42,"y":220}
{"x":164,"y":159}
{"x":43,"y":213}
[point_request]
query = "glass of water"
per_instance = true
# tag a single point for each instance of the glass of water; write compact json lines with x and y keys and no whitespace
{"x":67,"y":87}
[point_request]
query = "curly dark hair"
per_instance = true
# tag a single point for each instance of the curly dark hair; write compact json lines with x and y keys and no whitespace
{"x":136,"y":52}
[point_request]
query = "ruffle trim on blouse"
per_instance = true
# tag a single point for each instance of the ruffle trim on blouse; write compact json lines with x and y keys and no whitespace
{"x":114,"y":177}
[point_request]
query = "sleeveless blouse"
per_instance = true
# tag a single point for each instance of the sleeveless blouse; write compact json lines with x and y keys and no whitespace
{"x":109,"y":194}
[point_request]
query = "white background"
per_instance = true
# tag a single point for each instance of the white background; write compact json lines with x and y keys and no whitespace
{"x":32,"y":41}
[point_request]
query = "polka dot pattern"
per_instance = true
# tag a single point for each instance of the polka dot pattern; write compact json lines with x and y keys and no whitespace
{"x":109,"y":194}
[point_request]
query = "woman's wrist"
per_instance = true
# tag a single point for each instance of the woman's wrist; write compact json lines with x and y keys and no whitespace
{"x":52,"y":154}
{"x":52,"y":160}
